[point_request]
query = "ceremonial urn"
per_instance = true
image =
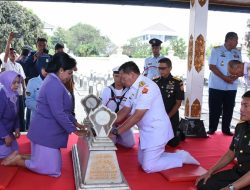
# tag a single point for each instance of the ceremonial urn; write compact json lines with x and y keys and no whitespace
{"x":94,"y":158}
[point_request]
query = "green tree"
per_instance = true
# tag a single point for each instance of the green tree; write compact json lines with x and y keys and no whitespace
{"x":16,"y":18}
{"x":209,"y":50}
{"x":85,"y":40}
{"x":135,"y":48}
{"x":165,"y":50}
{"x":179,"y":47}
{"x":60,"y":35}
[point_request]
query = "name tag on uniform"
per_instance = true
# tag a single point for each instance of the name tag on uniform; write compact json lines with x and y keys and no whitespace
{"x":222,"y":54}
{"x":236,"y":56}
{"x":170,"y":87}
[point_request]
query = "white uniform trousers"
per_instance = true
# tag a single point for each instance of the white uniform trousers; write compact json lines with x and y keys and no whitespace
{"x":155,"y":159}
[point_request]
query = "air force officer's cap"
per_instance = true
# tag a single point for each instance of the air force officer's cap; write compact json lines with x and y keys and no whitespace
{"x":155,"y":42}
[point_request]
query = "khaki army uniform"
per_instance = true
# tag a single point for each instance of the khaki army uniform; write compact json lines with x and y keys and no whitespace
{"x":241,"y":146}
{"x":171,"y":90}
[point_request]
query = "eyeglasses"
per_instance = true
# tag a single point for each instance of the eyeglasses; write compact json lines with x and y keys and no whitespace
{"x":162,"y":68}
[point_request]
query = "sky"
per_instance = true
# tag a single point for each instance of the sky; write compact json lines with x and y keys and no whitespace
{"x":121,"y":22}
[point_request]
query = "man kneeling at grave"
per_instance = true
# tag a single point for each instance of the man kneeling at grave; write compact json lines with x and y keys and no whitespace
{"x":239,"y":176}
{"x":144,"y":107}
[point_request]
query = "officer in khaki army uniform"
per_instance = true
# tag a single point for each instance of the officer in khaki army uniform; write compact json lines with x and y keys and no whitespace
{"x":172,"y":92}
{"x":239,"y":176}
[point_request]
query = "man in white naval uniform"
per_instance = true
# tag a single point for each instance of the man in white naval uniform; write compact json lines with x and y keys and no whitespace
{"x":151,"y":63}
{"x":146,"y":109}
{"x":114,"y":97}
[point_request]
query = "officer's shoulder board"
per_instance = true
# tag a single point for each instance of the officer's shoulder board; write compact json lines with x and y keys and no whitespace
{"x":241,"y":122}
{"x":156,"y":78}
{"x":177,"y":78}
{"x":141,"y":83}
{"x":216,"y":47}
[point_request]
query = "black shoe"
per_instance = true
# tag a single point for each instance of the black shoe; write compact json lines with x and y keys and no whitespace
{"x":210,"y":132}
{"x":228,"y":133}
{"x":174,"y":142}
{"x":182,"y":136}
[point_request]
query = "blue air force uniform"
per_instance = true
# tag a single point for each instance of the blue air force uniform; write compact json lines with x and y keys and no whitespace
{"x":151,"y":63}
{"x":221,"y":94}
{"x":32,"y":92}
{"x":151,"y":67}
{"x":220,"y":57}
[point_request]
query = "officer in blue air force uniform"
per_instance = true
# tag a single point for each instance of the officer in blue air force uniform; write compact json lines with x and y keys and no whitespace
{"x":33,"y":89}
{"x":151,"y":63}
{"x":222,"y":85}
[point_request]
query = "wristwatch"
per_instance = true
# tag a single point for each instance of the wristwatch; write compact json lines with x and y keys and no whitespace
{"x":231,"y":187}
{"x":115,"y":131}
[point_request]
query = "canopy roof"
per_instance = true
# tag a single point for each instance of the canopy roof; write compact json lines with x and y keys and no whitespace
{"x":220,"y":5}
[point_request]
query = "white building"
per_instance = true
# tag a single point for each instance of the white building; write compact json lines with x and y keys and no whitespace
{"x":159,"y":31}
{"x":48,"y":28}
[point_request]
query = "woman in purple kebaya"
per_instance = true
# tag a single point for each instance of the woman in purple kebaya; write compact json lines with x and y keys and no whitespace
{"x":53,"y":121}
{"x":9,"y":121}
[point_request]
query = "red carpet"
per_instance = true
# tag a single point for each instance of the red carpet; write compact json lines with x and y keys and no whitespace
{"x":207,"y":151}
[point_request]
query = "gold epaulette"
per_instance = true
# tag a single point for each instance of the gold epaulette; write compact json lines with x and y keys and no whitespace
{"x":177,"y":78}
{"x":141,"y":83}
{"x":217,"y":47}
{"x":241,"y":122}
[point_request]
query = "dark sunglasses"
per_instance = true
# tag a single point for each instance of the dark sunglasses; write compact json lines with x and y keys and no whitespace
{"x":162,"y":68}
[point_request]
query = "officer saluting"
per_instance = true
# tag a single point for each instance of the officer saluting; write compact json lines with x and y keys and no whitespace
{"x":151,"y":63}
{"x":172,"y":92}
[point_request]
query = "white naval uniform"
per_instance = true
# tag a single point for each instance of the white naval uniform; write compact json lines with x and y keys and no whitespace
{"x":155,"y":127}
{"x":126,"y":139}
